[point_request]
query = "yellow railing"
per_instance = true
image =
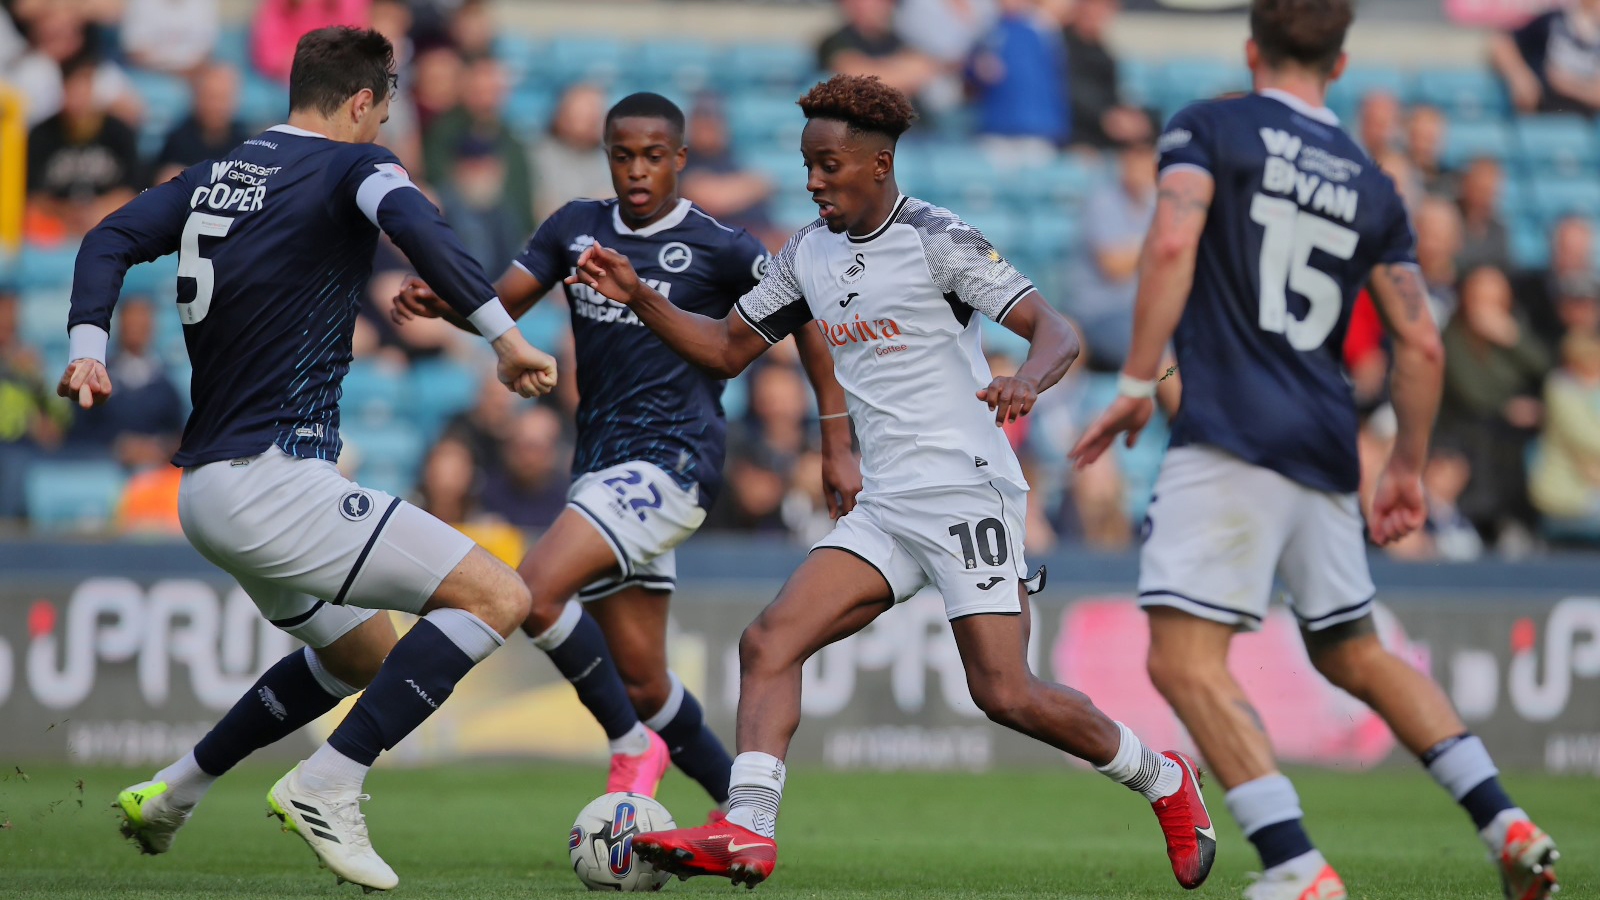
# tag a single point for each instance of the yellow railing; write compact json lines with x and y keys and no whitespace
{"x":13,"y":166}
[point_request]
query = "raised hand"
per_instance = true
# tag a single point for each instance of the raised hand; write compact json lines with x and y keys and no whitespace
{"x":416,"y":301}
{"x":522,"y":367}
{"x":1125,"y":414}
{"x":607,"y":271}
{"x":87,"y":381}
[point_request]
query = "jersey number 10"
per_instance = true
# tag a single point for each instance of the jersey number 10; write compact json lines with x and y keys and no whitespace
{"x":192,"y":265}
{"x":1290,"y":236}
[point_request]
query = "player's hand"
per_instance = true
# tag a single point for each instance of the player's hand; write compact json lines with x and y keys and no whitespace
{"x":85,"y":380}
{"x":607,"y":271}
{"x":1398,"y":507}
{"x":415,"y":301}
{"x":524,"y":368}
{"x":1010,"y":397}
{"x":841,"y":480}
{"x":1125,"y":414}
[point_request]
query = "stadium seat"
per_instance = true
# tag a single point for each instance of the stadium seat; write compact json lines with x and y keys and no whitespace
{"x":371,"y":392}
{"x":764,"y":120}
{"x":1344,"y":94}
{"x":72,"y":496}
{"x":392,"y":448}
{"x":1139,"y":81}
{"x":262,"y":101}
{"x":437,"y":389}
{"x":680,"y":62}
{"x":785,"y":66}
{"x":1188,"y":80}
{"x":233,"y":46}
{"x":1064,"y":182}
{"x":1471,"y":138}
{"x":1558,"y":144}
{"x":45,"y":266}
{"x":587,"y":58}
{"x":1463,"y":93}
{"x":527,"y":108}
{"x":1556,"y":195}
{"x":158,"y":277}
{"x":166,"y":102}
{"x":1530,"y":243}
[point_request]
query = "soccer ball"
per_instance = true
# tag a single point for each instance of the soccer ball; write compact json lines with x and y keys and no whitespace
{"x":601,"y":842}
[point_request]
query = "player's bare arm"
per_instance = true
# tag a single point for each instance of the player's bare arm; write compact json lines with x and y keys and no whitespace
{"x":1053,"y":346}
{"x":841,"y":468}
{"x":1166,"y":273}
{"x":723,"y":347}
{"x":1398,"y":291}
{"x":517,"y":290}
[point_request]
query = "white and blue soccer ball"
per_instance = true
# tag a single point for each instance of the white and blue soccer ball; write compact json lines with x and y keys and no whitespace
{"x":601,"y":842}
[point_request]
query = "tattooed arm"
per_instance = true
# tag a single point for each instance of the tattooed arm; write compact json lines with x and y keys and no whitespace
{"x":1415,"y":385}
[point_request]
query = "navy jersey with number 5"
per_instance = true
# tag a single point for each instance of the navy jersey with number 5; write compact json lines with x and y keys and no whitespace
{"x":275,"y":246}
{"x":1299,"y":218}
{"x":640,"y":400}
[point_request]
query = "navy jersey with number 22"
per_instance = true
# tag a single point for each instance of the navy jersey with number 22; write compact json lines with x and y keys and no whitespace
{"x":640,"y":400}
{"x":1299,"y":218}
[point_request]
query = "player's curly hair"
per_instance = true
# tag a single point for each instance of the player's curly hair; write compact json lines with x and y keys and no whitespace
{"x":863,"y":102}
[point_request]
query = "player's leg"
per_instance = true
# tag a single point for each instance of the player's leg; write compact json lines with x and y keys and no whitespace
{"x":1325,"y":567}
{"x":634,"y":620}
{"x":344,"y":647}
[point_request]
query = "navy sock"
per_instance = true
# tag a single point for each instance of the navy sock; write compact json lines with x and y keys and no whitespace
{"x":1280,"y":842}
{"x":584,"y":659}
{"x":696,"y":750}
{"x":285,"y":698}
{"x":1486,"y":801}
{"x":419,"y":674}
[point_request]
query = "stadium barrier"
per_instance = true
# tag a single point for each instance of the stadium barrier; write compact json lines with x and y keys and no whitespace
{"x":125,"y":652}
{"x":13,"y":166}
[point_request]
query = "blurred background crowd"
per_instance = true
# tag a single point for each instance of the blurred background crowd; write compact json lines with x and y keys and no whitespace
{"x":1035,"y":128}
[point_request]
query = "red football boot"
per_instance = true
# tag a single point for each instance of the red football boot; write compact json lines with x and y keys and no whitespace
{"x":1191,"y":838}
{"x":717,"y":848}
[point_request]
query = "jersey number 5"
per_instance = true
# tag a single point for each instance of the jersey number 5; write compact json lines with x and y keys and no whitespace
{"x":1291,"y":235}
{"x":192,"y":265}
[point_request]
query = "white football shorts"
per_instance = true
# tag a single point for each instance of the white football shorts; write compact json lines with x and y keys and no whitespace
{"x":964,"y":540}
{"x":1218,"y":529}
{"x":643,"y":514}
{"x":315,"y":551}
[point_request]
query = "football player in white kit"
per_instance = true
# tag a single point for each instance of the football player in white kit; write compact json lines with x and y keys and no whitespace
{"x":1269,"y":220}
{"x":895,"y":286}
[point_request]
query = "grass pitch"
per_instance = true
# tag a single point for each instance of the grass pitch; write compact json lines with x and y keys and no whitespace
{"x":499,"y":830}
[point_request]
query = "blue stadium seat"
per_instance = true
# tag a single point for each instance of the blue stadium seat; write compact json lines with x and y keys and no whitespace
{"x":158,"y":277}
{"x":1344,"y":95}
{"x":528,"y":106}
{"x":437,"y":389}
{"x":1556,"y":195}
{"x":683,"y":63}
{"x":783,"y":66}
{"x":45,"y":266}
{"x":262,"y":101}
{"x":1530,"y":242}
{"x":1463,"y":93}
{"x":166,"y":102}
{"x":1560,"y":144}
{"x":765,"y":121}
{"x":72,"y":496}
{"x":587,"y":58}
{"x":520,"y":53}
{"x":1471,"y":138}
{"x":1188,"y":80}
{"x":371,"y":392}
{"x":233,"y":46}
{"x":1064,"y":182}
{"x":1140,"y":81}
{"x":388,"y":455}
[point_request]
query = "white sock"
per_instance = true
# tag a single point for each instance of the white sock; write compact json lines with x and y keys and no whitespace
{"x":561,"y":628}
{"x":328,"y":771}
{"x":186,"y":781}
{"x":635,"y":742}
{"x":1462,"y":765}
{"x":1142,"y":769}
{"x":754,"y":791}
{"x":1304,"y":866}
{"x":1263,"y":801}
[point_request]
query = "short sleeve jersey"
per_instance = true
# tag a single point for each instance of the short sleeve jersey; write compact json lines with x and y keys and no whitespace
{"x":639,"y":399}
{"x":1299,"y":217}
{"x":897,"y":309}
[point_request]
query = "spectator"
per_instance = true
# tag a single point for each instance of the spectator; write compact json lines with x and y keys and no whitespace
{"x":211,"y":130}
{"x":1484,"y":238}
{"x":1115,"y":219}
{"x":945,"y":31}
{"x":149,"y":501}
{"x":569,"y":160}
{"x":56,"y":33}
{"x":526,"y":485}
{"x":1445,"y":534}
{"x":1577,"y":305}
{"x":715,"y":180}
{"x":1565,"y":482}
{"x":31,"y":416}
{"x":1100,"y":118}
{"x":83,"y":162}
{"x":148,"y":411}
{"x":484,"y":426}
{"x":1438,"y":225}
{"x":448,"y":485}
{"x":278,"y":24}
{"x":1018,"y":73}
{"x":435,"y":83}
{"x":472,"y":28}
{"x":1407,"y":183}
{"x":1552,"y":63}
{"x":477,"y":115}
{"x":1571,"y":264}
{"x":866,"y":44}
{"x":1493,"y":366}
{"x":1425,"y":130}
{"x":474,"y":200}
{"x":1378,"y":119}
{"x":402,"y":133}
{"x":169,"y":35}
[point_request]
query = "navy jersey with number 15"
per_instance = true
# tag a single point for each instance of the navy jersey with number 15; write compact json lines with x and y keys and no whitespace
{"x":1299,"y":218}
{"x":640,"y":400}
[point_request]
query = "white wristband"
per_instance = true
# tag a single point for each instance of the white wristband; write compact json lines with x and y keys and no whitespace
{"x":1137,"y":388}
{"x":843,"y":415}
{"x":491,"y":319}
{"x":87,"y":342}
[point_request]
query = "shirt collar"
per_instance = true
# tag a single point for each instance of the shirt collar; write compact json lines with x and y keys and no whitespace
{"x":670,"y":220}
{"x":300,"y":132}
{"x":894,"y":213}
{"x":1319,"y":113}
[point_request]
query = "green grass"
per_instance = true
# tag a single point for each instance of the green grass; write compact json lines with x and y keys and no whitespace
{"x":499,"y":830}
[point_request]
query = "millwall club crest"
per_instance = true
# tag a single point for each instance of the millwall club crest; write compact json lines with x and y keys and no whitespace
{"x":355,"y":505}
{"x":675,"y":257}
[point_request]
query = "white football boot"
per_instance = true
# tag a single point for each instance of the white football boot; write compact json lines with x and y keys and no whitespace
{"x":335,"y":829}
{"x":149,"y":817}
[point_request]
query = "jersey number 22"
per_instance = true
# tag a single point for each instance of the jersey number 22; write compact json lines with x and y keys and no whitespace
{"x":1290,"y":236}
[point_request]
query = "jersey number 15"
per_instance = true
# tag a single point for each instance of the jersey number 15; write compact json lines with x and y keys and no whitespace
{"x":192,"y":265}
{"x":1290,"y":236}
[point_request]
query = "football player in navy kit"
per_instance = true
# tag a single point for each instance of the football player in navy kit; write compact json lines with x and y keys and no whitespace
{"x":1269,"y":220}
{"x":650,"y":444}
{"x":275,"y":246}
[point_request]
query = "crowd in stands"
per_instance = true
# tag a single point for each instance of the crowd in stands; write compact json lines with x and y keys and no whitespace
{"x":1033,"y":128}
